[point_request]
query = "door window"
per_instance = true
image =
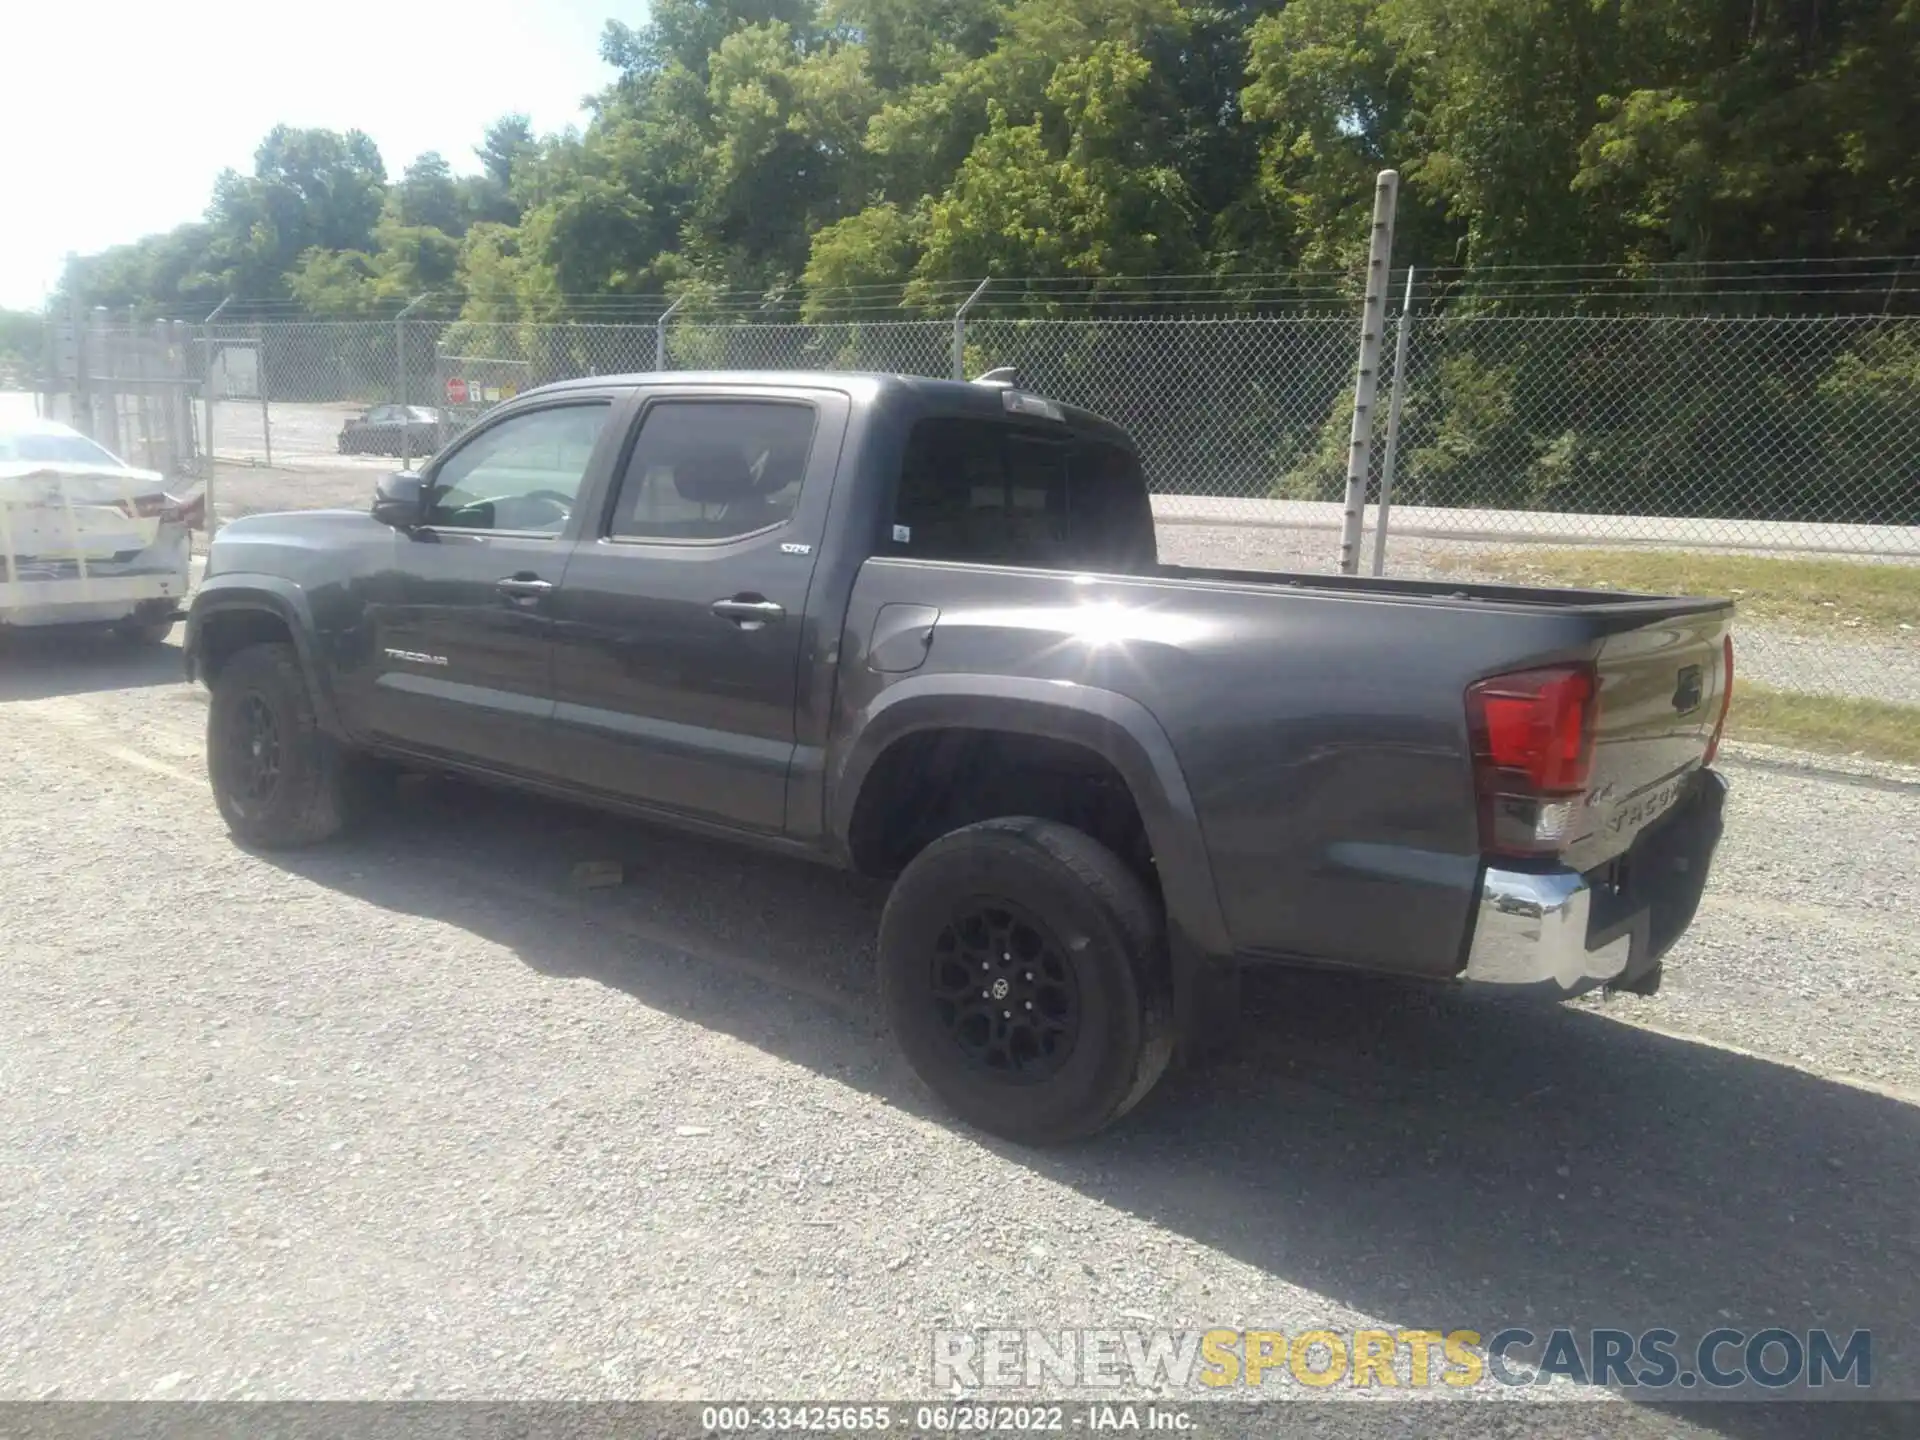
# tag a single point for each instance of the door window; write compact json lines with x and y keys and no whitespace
{"x":713,"y":470}
{"x":523,"y":474}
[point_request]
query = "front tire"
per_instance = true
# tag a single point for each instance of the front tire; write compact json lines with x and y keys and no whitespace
{"x":1023,"y":973}
{"x":280,"y":781}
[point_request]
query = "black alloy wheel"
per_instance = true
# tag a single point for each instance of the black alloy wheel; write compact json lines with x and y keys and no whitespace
{"x":1003,"y":987}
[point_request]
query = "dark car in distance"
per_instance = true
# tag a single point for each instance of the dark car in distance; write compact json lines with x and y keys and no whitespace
{"x":378,"y":431}
{"x":921,"y":629}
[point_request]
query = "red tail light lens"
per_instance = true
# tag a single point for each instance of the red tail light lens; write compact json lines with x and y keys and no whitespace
{"x":1726,"y":696}
{"x":160,"y":507}
{"x":1532,"y":751}
{"x":1536,"y":725}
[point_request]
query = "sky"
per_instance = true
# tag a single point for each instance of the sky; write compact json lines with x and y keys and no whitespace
{"x":136,"y":105}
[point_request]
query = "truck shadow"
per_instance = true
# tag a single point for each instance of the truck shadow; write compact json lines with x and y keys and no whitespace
{"x":1419,"y":1154}
{"x":40,"y":663}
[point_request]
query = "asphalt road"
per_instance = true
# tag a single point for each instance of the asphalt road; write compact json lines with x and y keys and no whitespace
{"x":417,"y":1116}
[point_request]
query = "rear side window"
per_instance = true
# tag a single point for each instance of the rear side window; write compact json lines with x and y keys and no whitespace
{"x":713,"y":469}
{"x":988,"y":493}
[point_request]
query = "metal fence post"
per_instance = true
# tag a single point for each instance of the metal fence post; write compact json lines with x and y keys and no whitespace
{"x":82,"y":406}
{"x":960,"y":329}
{"x":212,"y":516}
{"x":260,"y":384}
{"x":1392,"y":450}
{"x":400,"y":377}
{"x":660,"y":333}
{"x":99,"y":352}
{"x":1373,"y":316}
{"x":439,"y":393}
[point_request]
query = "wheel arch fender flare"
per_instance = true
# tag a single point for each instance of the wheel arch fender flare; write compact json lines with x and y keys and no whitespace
{"x":1120,"y":729}
{"x":263,"y":594}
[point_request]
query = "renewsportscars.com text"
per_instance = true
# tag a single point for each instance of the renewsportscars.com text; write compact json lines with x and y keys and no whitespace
{"x":1221,"y":1359}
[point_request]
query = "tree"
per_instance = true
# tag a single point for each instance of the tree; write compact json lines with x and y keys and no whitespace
{"x":337,"y":284}
{"x":428,"y":196}
{"x":22,"y":346}
{"x":749,"y":143}
{"x":309,"y":188}
{"x":1074,"y":192}
{"x":784,"y":156}
{"x":487,"y":198}
{"x":1333,"y":105}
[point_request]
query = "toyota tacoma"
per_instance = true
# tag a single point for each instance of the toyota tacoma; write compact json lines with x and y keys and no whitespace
{"x":920,"y":628}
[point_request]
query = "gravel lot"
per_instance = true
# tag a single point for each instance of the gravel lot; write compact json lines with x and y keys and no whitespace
{"x":414,"y":1116}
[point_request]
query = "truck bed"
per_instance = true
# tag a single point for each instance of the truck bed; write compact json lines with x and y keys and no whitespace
{"x":1625,"y":609}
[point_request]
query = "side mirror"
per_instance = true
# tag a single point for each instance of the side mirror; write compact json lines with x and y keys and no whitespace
{"x":400,"y":500}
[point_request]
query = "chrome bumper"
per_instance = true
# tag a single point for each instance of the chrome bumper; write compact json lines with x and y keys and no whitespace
{"x":1532,"y":930}
{"x":1554,"y":931}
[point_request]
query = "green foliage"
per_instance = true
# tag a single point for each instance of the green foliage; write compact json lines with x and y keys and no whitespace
{"x":877,"y":247}
{"x":749,"y":143}
{"x":908,"y":147}
{"x":1070,"y":192}
{"x":22,"y":345}
{"x":337,"y":284}
{"x":428,"y":197}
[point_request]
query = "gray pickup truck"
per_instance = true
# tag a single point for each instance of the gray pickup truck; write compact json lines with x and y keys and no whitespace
{"x":920,"y":628}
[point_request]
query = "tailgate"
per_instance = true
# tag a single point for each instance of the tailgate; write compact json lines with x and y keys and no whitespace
{"x":1661,"y":688}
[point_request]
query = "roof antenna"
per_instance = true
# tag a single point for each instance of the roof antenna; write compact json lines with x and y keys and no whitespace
{"x":1005,"y":375}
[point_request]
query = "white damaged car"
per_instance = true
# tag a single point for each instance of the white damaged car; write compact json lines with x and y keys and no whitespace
{"x":86,"y":539}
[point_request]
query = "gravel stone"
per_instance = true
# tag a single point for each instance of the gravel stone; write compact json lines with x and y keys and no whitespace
{"x":413,"y":1115}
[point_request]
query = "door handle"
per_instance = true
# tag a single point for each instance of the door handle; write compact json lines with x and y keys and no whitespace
{"x":523,"y":587}
{"x":747,"y":612}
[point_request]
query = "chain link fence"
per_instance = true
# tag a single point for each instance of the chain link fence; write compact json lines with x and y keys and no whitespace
{"x":1530,"y":446}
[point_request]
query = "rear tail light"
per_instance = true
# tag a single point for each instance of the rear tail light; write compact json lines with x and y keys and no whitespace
{"x":1726,"y":697}
{"x":1532,"y":735}
{"x":165,"y":509}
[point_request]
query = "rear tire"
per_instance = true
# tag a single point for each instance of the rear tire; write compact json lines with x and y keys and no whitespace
{"x":280,"y":781}
{"x":1064,"y":942}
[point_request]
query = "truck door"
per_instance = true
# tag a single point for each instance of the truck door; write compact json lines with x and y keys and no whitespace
{"x":462,"y":653}
{"x":682,"y":620}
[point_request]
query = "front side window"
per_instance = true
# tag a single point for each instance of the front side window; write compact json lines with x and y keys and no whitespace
{"x":713,"y":469}
{"x":523,"y":474}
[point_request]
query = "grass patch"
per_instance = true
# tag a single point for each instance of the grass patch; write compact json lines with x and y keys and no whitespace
{"x":1828,"y":594}
{"x":1824,"y":723}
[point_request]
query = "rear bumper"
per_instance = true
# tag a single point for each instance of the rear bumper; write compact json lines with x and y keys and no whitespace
{"x":1563,"y":933}
{"x":95,"y":600}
